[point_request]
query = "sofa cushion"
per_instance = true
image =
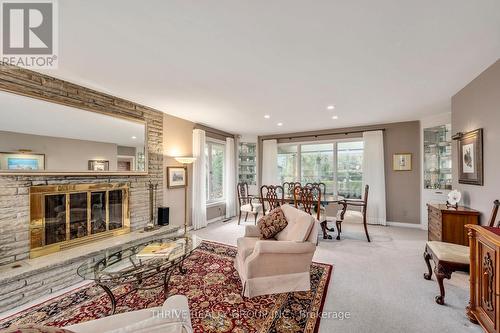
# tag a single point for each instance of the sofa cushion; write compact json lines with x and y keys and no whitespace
{"x":299,"y":225}
{"x":272,"y":223}
{"x":246,"y":246}
{"x":32,"y":328}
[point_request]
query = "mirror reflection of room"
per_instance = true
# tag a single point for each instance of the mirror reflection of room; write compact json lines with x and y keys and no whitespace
{"x":49,"y":137}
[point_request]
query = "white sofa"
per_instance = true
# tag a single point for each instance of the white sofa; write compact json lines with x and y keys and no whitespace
{"x":172,"y":317}
{"x":282,"y":264}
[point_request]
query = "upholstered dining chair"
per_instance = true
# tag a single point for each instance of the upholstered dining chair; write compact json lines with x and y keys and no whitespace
{"x":271,"y":196}
{"x":322,"y":207}
{"x":449,"y":258}
{"x":246,"y":204}
{"x":360,"y":203}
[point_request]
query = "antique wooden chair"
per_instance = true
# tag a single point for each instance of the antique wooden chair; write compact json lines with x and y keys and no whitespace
{"x":362,"y":203}
{"x":308,"y":198}
{"x":322,"y":207}
{"x":246,"y":203}
{"x":449,"y":258}
{"x":273,"y":195}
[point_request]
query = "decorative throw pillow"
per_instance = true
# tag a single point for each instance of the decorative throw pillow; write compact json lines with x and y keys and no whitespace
{"x":32,"y":328}
{"x":272,"y":223}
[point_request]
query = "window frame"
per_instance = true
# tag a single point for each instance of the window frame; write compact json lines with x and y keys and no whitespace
{"x":208,"y":145}
{"x":298,"y":162}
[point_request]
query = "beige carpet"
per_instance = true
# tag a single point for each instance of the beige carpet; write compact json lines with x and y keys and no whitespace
{"x":380,"y":283}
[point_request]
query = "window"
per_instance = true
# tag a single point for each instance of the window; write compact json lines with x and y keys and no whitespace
{"x":350,"y":169}
{"x":287,"y":163}
{"x":317,"y":164}
{"x":338,"y":164}
{"x":214,"y":156}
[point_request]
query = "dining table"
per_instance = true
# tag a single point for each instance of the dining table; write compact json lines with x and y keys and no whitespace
{"x":324,"y":201}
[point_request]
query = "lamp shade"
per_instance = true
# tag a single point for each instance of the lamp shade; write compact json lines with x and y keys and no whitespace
{"x":185,"y":160}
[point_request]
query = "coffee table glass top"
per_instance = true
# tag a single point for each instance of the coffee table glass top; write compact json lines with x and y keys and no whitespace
{"x":125,"y":266}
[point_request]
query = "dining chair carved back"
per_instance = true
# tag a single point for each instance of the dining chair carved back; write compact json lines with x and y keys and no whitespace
{"x":322,"y":210}
{"x":271,"y":196}
{"x":246,"y":202}
{"x":307,"y":198}
{"x":360,"y":203}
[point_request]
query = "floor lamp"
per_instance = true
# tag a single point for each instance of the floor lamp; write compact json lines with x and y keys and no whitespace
{"x":185,"y":161}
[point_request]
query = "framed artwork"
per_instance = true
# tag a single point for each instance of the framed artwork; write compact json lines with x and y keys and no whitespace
{"x":98,"y":165}
{"x":22,"y":161}
{"x":470,"y":157}
{"x":402,"y":162}
{"x":176,"y":177}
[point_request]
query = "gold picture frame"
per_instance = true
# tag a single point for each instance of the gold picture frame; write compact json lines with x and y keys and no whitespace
{"x":402,"y":162}
{"x":176,"y":177}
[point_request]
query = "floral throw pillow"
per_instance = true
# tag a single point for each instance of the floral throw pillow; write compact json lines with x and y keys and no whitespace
{"x":31,"y":328}
{"x":271,"y":224}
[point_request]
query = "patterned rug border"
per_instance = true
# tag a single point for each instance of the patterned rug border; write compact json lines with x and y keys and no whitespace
{"x":312,"y":325}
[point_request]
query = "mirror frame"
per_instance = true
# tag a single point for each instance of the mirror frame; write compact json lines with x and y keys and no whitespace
{"x":85,"y":173}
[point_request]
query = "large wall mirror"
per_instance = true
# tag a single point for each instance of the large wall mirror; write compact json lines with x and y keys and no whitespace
{"x":41,"y":137}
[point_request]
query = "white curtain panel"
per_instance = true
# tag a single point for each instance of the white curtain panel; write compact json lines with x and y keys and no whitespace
{"x":374,"y":176}
{"x":230,"y":178}
{"x":199,"y":203}
{"x":269,"y":162}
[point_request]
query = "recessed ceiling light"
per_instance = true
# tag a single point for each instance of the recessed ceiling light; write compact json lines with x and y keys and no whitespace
{"x":280,"y":124}
{"x":330,"y":107}
{"x":335,"y":117}
{"x":134,"y":137}
{"x":267,"y":116}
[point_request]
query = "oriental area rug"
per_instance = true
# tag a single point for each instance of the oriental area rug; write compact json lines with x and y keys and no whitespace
{"x":213,"y":288}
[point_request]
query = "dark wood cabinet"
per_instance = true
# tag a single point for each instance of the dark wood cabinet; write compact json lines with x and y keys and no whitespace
{"x":448,"y":224}
{"x":485,"y":277}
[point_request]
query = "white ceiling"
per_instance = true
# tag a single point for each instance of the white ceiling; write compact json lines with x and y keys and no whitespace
{"x":226,"y":63}
{"x":25,"y":115}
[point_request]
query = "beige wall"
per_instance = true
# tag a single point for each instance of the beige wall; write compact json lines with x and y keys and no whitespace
{"x":478,"y":106}
{"x":402,"y":188}
{"x":177,"y":141}
{"x":61,"y":154}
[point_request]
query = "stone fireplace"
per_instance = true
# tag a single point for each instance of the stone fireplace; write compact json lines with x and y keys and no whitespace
{"x":63,"y":216}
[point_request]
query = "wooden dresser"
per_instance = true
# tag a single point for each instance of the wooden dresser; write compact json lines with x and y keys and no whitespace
{"x":448,"y":224}
{"x":484,"y":277}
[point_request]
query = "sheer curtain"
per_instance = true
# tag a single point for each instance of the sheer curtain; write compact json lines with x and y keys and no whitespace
{"x":199,"y":203}
{"x":374,"y":176}
{"x":269,"y":162}
{"x":230,"y":178}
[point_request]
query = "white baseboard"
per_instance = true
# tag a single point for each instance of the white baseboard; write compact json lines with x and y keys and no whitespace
{"x":406,"y":225}
{"x":217,"y":219}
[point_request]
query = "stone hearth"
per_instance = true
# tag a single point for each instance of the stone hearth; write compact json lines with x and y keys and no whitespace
{"x":27,"y":280}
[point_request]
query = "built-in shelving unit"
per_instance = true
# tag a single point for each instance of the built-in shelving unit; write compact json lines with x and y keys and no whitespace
{"x":247,"y":158}
{"x":437,"y":158}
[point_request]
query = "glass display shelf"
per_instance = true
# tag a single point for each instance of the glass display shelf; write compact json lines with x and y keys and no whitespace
{"x":437,"y":158}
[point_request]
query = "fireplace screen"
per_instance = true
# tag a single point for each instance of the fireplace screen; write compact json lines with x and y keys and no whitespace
{"x":68,"y":215}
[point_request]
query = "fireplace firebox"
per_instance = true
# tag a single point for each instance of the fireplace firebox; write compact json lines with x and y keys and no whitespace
{"x":63,"y":216}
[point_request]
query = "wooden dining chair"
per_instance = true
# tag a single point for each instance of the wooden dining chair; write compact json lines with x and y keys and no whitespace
{"x":322,"y":207}
{"x":361,"y":203}
{"x":246,"y":203}
{"x":288,"y":188}
{"x":273,"y":195}
{"x":308,"y":198}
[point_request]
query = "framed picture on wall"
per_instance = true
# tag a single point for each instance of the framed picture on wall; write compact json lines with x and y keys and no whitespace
{"x":402,"y":162}
{"x":470,"y":157}
{"x":98,"y":165}
{"x":22,"y":161}
{"x":176,"y":177}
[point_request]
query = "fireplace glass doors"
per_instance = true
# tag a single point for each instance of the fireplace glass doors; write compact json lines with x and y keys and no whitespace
{"x":68,"y":215}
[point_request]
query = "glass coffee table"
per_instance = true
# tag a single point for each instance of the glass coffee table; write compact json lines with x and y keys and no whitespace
{"x":124,"y":267}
